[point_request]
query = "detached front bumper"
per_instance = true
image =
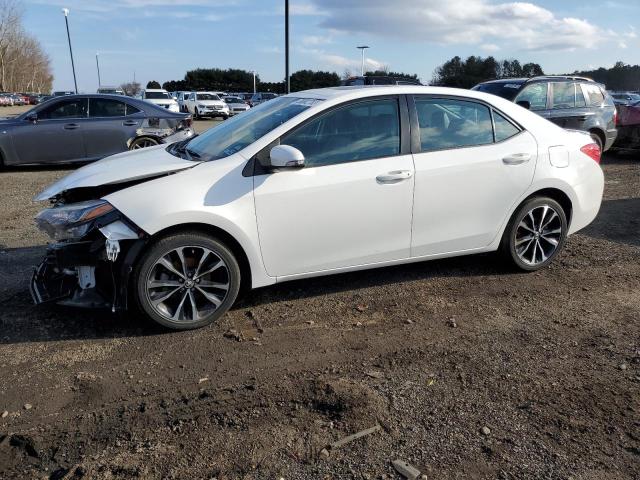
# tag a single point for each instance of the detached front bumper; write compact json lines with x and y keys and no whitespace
{"x":86,"y":273}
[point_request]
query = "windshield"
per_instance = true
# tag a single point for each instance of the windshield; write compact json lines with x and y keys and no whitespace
{"x":207,"y":96}
{"x":156,"y":95}
{"x":269,"y":96}
{"x":240,"y":131}
{"x":502,"y":89}
{"x":233,"y":100}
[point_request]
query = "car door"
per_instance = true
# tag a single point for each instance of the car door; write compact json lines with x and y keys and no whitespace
{"x":55,"y":135}
{"x":351,"y":203}
{"x":467,"y":177}
{"x":564,"y":111}
{"x":111,"y":124}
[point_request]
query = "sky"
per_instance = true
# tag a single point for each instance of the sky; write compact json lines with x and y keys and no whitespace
{"x":162,"y":39}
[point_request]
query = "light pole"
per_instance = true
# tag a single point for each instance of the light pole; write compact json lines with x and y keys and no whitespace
{"x":286,"y":45}
{"x":362,"y":48}
{"x":254,"y":80}
{"x":98,"y":67}
{"x":73,"y":67}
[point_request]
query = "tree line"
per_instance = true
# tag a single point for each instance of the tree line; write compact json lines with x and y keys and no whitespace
{"x":619,"y":77}
{"x":24,"y":65}
{"x":467,"y":73}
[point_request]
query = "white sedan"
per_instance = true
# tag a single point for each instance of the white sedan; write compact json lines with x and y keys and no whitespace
{"x":315,"y":183}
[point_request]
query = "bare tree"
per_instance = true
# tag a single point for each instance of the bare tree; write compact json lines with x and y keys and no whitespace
{"x":24,"y":66}
{"x":131,"y":89}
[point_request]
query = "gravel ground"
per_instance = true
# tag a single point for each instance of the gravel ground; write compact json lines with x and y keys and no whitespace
{"x":471,"y":371}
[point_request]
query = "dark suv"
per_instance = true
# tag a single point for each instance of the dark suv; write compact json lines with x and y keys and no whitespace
{"x":575,"y":103}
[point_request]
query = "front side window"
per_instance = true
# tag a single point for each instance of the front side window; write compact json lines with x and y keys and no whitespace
{"x":359,"y":131}
{"x":448,"y":123}
{"x":75,"y":108}
{"x":102,"y":107}
{"x":564,"y":95}
{"x":535,"y":94}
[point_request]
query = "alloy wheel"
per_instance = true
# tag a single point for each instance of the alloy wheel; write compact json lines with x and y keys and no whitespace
{"x":144,"y":143}
{"x":187,"y":284}
{"x":538,"y":235}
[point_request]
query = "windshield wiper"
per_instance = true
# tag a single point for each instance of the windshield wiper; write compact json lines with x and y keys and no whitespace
{"x":181,"y":148}
{"x":194,"y":154}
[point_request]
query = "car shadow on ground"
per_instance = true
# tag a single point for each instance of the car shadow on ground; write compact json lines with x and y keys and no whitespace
{"x":21,"y":321}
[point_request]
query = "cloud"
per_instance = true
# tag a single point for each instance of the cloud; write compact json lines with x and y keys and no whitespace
{"x":457,"y":22}
{"x":311,"y":40}
{"x":328,"y":60}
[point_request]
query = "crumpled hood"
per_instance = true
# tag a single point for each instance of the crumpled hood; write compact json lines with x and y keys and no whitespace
{"x":123,"y":167}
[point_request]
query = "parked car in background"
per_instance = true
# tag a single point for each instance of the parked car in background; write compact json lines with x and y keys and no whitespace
{"x":110,"y":90}
{"x":206,"y":104}
{"x":236,"y":105}
{"x":161,"y":98}
{"x":6,"y":99}
{"x":379,"y":80}
{"x":181,"y":99}
{"x":61,"y":93}
{"x":261,"y":97}
{"x":19,"y":100}
{"x":315,"y":183}
{"x":625,"y":98}
{"x":574,"y":103}
{"x":82,"y":128}
{"x":628,"y":125}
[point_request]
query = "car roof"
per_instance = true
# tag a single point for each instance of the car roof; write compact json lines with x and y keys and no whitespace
{"x":362,"y":91}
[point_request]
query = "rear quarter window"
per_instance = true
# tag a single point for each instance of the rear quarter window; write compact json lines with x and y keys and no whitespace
{"x":593,"y":94}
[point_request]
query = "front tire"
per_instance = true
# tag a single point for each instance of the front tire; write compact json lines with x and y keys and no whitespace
{"x":187,"y":280}
{"x":535,"y":234}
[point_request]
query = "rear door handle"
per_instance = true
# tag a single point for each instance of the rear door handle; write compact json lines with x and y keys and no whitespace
{"x":71,"y":126}
{"x":395,"y":176}
{"x":130,"y":123}
{"x":516,"y":158}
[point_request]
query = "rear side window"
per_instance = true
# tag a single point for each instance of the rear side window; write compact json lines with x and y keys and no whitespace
{"x":535,"y":94}
{"x":103,"y":107}
{"x":564,"y":95}
{"x":360,"y":131}
{"x":131,"y":109}
{"x":503,"y":128}
{"x":593,"y":94}
{"x":448,"y":123}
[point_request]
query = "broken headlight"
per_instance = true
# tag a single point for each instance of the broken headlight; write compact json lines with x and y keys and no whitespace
{"x":71,"y":221}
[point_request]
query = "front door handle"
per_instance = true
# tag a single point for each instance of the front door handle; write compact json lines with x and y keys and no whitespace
{"x":395,"y":176}
{"x":516,"y":158}
{"x":130,"y":123}
{"x":71,"y":126}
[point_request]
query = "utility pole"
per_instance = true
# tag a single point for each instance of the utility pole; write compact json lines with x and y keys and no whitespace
{"x":362,"y":49}
{"x":254,"y":81}
{"x":98,"y":67}
{"x":66,"y":21}
{"x":286,"y":45}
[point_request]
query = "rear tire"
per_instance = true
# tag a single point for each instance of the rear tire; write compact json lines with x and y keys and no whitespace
{"x":597,"y":140}
{"x":186,"y":281}
{"x":143,"y":142}
{"x":535,"y":234}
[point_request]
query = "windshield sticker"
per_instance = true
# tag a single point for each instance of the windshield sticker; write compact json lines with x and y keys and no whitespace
{"x":512,"y":85}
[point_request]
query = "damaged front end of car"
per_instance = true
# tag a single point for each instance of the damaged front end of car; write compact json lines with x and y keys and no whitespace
{"x":91,"y":258}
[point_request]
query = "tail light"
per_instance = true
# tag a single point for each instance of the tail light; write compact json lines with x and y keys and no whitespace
{"x":592,"y":150}
{"x":615,"y":117}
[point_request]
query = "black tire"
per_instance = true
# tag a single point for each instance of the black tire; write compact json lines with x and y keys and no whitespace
{"x":167,"y":313}
{"x":597,"y":139}
{"x":196,"y":116}
{"x":143,"y":142}
{"x":514,"y":239}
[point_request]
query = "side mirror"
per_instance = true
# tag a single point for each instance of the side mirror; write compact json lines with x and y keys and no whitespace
{"x":33,"y":118}
{"x":286,"y":156}
{"x":524,"y":104}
